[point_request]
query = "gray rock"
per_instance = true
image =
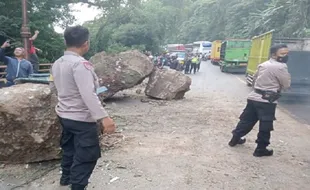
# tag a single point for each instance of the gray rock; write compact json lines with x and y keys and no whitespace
{"x":121,"y":71}
{"x":167,"y":84}
{"x":29,"y":127}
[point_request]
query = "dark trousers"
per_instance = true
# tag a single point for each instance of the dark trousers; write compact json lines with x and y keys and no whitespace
{"x":9,"y":83}
{"x":187,"y":67}
{"x":254,"y":112}
{"x":81,"y":150}
{"x":34,"y":60}
{"x":198,"y":66}
{"x":193,"y":67}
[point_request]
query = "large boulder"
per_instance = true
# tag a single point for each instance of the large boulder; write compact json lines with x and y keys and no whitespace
{"x":167,"y":84}
{"x":29,"y":127}
{"x":121,"y":71}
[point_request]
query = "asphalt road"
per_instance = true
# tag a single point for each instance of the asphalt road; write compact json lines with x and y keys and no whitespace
{"x":210,"y":78}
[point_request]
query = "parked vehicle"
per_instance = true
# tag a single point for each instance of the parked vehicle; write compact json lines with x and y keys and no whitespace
{"x":175,"y":47}
{"x":259,"y":53}
{"x":181,"y":56}
{"x":202,"y":47}
{"x":299,"y":67}
{"x":216,"y":52}
{"x":189,"y":48}
{"x":234,"y":55}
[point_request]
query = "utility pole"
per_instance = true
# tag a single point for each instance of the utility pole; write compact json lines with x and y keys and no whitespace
{"x":25,"y":31}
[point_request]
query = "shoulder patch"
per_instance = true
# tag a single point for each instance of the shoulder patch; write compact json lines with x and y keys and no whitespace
{"x":87,"y":65}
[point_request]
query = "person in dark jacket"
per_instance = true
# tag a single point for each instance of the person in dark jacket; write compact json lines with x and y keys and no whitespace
{"x":17,"y":67}
{"x":187,"y":65}
{"x":174,"y":64}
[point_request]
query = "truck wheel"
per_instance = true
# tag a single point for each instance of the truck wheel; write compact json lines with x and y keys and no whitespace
{"x":222,"y":69}
{"x":247,"y":81}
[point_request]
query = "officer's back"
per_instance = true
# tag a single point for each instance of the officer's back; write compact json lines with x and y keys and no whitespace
{"x":79,"y":109}
{"x":66,"y":71}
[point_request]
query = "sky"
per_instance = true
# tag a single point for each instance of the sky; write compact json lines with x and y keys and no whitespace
{"x":82,"y":13}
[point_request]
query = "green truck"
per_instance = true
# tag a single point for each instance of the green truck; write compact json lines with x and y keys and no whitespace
{"x":234,"y":55}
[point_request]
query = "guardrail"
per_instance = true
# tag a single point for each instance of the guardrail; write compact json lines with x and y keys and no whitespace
{"x":43,"y":68}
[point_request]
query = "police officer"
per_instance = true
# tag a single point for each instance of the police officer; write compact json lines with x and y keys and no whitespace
{"x":194,"y":63}
{"x":79,"y":109}
{"x":270,"y":79}
{"x":17,"y":67}
{"x":199,"y":62}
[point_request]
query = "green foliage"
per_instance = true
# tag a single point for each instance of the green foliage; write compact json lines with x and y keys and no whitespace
{"x":220,"y":19}
{"x":42,"y":15}
{"x":150,"y":24}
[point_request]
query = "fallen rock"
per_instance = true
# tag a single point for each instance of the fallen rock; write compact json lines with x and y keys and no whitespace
{"x":29,"y":127}
{"x":121,"y":71}
{"x":167,"y":84}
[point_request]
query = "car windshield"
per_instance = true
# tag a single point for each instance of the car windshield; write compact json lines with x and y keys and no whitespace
{"x":181,"y":54}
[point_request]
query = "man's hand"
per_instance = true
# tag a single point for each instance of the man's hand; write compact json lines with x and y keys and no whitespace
{"x":108,"y":125}
{"x":39,"y":50}
{"x":6,"y":44}
{"x":37,"y":32}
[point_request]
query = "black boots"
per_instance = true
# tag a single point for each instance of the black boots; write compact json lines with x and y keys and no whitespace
{"x":260,"y":152}
{"x":64,"y":181}
{"x":77,"y":187}
{"x":236,"y":140}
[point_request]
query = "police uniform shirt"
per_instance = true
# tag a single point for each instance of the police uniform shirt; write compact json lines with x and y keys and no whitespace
{"x":76,"y":82}
{"x":271,"y":75}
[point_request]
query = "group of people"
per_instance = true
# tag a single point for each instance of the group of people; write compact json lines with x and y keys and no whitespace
{"x":18,"y":66}
{"x":192,"y":63}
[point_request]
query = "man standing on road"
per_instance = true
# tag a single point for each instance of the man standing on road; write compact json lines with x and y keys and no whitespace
{"x":199,"y":61}
{"x":188,"y":63}
{"x":79,"y":109}
{"x":17,"y":67}
{"x":174,"y":63}
{"x":270,"y":79}
{"x":194,"y":64}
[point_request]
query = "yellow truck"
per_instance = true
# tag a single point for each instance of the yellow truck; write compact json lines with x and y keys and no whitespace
{"x":216,"y":52}
{"x":259,"y":53}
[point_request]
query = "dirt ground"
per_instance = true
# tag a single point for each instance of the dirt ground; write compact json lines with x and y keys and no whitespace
{"x":182,"y":145}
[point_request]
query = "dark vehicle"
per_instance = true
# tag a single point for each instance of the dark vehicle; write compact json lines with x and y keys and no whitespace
{"x":299,"y":68}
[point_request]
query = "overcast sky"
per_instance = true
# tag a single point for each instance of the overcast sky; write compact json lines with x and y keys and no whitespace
{"x":82,"y":14}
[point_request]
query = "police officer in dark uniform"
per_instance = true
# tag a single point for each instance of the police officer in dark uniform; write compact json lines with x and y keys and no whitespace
{"x":79,"y":110}
{"x":270,"y":79}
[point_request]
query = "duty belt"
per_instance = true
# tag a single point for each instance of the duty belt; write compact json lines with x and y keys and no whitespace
{"x":269,"y":95}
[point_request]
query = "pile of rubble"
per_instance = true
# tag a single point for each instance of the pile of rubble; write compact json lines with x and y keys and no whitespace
{"x":30,"y":131}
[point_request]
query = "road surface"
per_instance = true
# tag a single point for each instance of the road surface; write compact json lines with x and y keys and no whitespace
{"x":182,"y":145}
